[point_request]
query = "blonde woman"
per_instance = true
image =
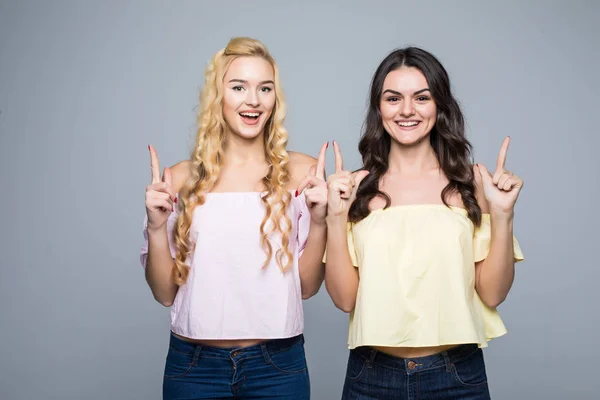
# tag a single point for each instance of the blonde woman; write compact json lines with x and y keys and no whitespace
{"x":234,"y":239}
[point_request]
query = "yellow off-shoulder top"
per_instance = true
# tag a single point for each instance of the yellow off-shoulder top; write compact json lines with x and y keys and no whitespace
{"x":417,"y":278}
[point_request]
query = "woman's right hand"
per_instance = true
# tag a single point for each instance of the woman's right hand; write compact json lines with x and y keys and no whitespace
{"x":342,"y":187}
{"x":159,"y":195}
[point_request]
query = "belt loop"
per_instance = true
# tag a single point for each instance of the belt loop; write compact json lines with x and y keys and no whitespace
{"x":372,"y":355}
{"x":447,"y":361}
{"x":197,"y":351}
{"x":265,"y":352}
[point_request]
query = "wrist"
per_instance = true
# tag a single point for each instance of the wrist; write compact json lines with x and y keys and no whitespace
{"x":499,"y":215}
{"x":318,"y":222}
{"x":336,"y":220}
{"x":157,"y":231}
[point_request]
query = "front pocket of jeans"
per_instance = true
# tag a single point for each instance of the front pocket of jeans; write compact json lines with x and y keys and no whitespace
{"x":356,"y":366}
{"x":178,"y":364}
{"x":471,"y":370}
{"x":291,"y":360}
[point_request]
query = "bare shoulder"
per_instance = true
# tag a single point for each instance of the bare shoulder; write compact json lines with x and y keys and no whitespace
{"x":180,"y":173}
{"x":479,"y":194}
{"x":299,"y":165}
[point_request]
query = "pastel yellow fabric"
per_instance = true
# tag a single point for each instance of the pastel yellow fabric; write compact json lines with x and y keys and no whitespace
{"x":417,"y":278}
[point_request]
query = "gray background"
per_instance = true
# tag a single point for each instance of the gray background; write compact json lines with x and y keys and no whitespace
{"x":85,"y":86}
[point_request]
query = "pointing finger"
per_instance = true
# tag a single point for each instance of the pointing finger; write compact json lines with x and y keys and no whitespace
{"x":154,"y":165}
{"x":339,"y":162}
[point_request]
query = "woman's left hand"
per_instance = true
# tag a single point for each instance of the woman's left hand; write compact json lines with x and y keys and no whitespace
{"x":314,"y":187}
{"x":502,"y":189}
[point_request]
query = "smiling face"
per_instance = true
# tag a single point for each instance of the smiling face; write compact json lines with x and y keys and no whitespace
{"x":248,"y":96}
{"x":408,"y":111}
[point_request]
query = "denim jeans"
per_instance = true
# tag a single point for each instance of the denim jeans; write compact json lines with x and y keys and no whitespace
{"x":275,"y":369}
{"x":456,"y":374}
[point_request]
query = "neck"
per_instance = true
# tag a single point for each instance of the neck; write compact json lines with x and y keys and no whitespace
{"x":413,"y":159}
{"x":241,"y":151}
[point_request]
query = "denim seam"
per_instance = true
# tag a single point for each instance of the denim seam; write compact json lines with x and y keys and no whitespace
{"x":269,"y":361}
{"x":461,"y":382}
{"x":465,"y":357}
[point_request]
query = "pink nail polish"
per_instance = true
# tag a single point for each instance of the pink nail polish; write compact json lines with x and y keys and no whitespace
{"x":175,"y":200}
{"x":296,"y":194}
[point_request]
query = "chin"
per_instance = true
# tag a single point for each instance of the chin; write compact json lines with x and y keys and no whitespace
{"x":248,"y":133}
{"x":408,"y":140}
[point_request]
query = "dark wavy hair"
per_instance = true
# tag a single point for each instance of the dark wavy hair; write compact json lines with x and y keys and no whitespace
{"x":447,"y":137}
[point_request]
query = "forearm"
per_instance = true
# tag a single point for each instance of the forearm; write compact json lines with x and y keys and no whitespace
{"x":311,"y":267}
{"x":159,"y":267}
{"x":495,"y":274}
{"x":341,"y":277}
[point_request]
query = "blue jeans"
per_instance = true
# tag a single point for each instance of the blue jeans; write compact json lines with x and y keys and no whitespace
{"x":275,"y":369}
{"x":456,"y":374}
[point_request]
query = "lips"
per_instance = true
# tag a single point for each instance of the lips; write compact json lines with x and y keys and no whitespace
{"x":250,"y":117}
{"x":408,"y":124}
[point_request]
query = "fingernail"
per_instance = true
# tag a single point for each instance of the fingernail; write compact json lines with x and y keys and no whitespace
{"x":296,"y":194}
{"x":172,"y":209}
{"x":148,"y":147}
{"x":175,"y":200}
{"x":327,"y":145}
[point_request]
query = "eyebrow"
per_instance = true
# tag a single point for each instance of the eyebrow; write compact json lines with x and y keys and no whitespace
{"x":400,"y":94}
{"x":243,"y":81}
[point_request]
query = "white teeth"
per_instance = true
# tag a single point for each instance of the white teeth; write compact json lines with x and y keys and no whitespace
{"x":250,"y":114}
{"x":412,"y":123}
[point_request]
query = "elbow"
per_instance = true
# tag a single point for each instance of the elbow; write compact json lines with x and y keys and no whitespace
{"x":343,"y":301}
{"x":307,"y":293}
{"x":345,"y":304}
{"x":164,"y":301}
{"x":306,"y":296}
{"x":346,"y":307}
{"x":309,"y":288}
{"x":493,"y":301}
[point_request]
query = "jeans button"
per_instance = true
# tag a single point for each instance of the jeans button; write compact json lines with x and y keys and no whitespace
{"x":412,"y":365}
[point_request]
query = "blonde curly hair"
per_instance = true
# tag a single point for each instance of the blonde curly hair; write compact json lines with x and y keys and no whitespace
{"x":207,"y":159}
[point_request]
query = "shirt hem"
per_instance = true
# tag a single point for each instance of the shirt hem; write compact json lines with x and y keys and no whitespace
{"x":269,"y":336}
{"x":484,"y":344}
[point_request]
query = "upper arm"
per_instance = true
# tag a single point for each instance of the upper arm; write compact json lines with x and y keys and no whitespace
{"x":479,"y":194}
{"x":180,"y":174}
{"x":483,"y":204}
{"x":299,"y":166}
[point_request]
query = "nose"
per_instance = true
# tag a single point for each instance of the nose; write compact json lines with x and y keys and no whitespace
{"x":252,"y":98}
{"x":407,"y":108}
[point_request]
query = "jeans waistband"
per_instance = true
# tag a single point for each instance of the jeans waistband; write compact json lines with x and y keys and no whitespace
{"x":415,"y":364}
{"x":272,"y":346}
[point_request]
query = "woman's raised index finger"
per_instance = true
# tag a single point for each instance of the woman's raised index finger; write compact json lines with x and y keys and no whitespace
{"x":502,"y":154}
{"x":339,"y":161}
{"x":320,"y":170}
{"x":154,"y":165}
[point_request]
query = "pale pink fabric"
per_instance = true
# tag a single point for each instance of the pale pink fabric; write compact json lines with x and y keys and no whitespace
{"x":228,"y":295}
